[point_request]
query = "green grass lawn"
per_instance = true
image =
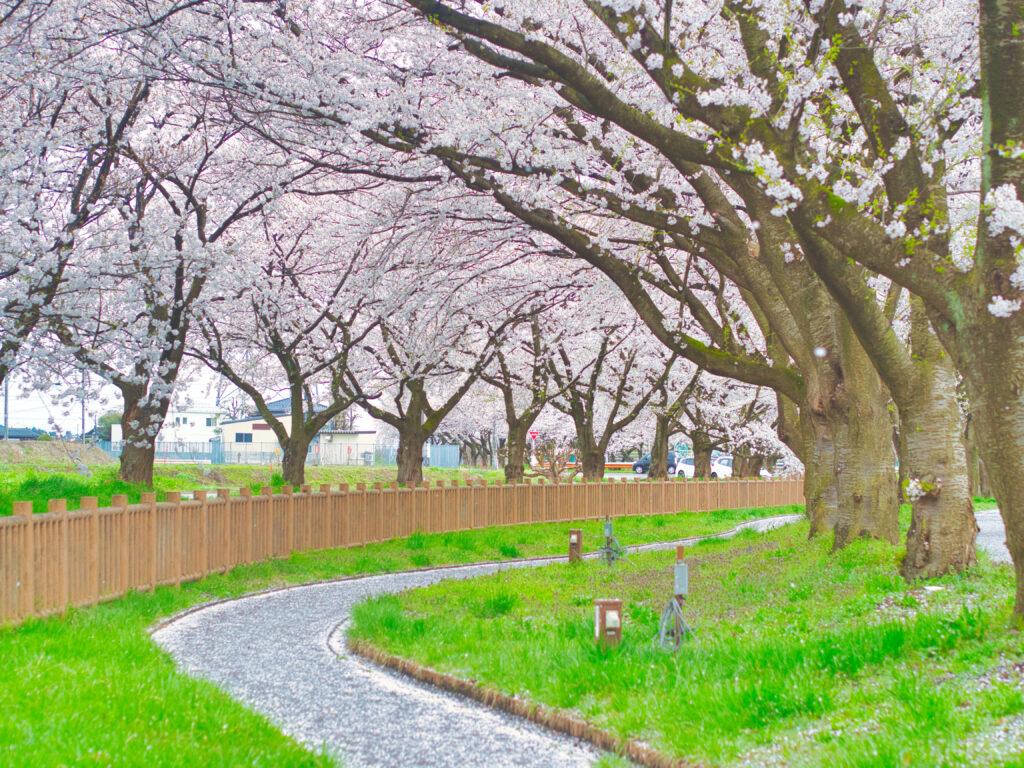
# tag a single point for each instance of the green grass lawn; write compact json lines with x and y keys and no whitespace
{"x":21,"y":483}
{"x":90,"y":688}
{"x":802,"y":657}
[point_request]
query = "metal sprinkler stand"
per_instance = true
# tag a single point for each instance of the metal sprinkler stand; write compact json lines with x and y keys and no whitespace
{"x":612,"y":550}
{"x":673,"y":627}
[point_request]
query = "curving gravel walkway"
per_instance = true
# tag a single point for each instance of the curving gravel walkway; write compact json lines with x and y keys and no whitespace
{"x":279,"y":654}
{"x":992,"y":535}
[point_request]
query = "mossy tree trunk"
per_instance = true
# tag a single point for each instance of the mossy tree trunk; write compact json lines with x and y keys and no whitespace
{"x":659,"y":449}
{"x":702,"y":447}
{"x":140,"y":422}
{"x":515,"y":450}
{"x":864,"y":461}
{"x":943,"y":530}
{"x":293,"y":459}
{"x":410,"y":455}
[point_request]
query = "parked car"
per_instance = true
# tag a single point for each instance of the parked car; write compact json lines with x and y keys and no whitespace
{"x":685,"y":468}
{"x":643,"y":465}
{"x":721,"y":467}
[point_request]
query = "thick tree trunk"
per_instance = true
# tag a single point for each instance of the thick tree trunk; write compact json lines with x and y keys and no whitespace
{"x":139,"y":424}
{"x":858,"y":419}
{"x":819,"y":472}
{"x":989,"y":349}
{"x":293,"y":460}
{"x":746,"y":464}
{"x":410,"y":456}
{"x":515,"y":453}
{"x":592,"y":461}
{"x":659,"y":450}
{"x":991,"y":358}
{"x":1002,"y":450}
{"x":701,"y":454}
{"x":138,"y":455}
{"x":980,"y":486}
{"x":934,"y":462}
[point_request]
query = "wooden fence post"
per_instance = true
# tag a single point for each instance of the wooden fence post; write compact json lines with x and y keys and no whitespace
{"x":178,"y":549}
{"x":226,"y":525}
{"x":91,"y":504}
{"x":59,"y":508}
{"x":361,"y":490}
{"x":149,"y":499}
{"x":23,"y":509}
{"x":204,"y":532}
{"x":289,"y":512}
{"x":306,"y":504}
{"x":246,"y":493}
{"x":270,"y":517}
{"x":326,"y":518}
{"x":120,"y":501}
{"x":343,"y":511}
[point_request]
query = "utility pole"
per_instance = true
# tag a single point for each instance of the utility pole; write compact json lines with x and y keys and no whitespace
{"x":85,"y":383}
{"x":494,"y":443}
{"x":7,"y":398}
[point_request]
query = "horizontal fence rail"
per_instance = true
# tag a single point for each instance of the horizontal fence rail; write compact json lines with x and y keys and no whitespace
{"x":53,"y":561}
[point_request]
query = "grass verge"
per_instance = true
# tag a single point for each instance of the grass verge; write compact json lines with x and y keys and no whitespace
{"x":91,"y":687}
{"x":803,"y":657}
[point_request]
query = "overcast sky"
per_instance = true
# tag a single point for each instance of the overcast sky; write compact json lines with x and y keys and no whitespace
{"x":37,"y":409}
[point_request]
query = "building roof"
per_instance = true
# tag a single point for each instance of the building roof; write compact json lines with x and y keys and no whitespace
{"x":278,"y":408}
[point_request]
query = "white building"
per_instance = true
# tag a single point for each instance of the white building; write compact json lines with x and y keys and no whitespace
{"x":199,"y":424}
{"x":207,"y":434}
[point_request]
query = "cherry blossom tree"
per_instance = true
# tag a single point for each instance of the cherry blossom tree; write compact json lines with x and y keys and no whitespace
{"x":626,"y":45}
{"x":460,"y":288}
{"x":306,"y":302}
{"x":69,"y":104}
{"x":185,"y":186}
{"x":606,"y":372}
{"x":761,"y":182}
{"x":615,"y":177}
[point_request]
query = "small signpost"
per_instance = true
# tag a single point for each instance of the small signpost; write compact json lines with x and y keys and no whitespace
{"x":673,"y":627}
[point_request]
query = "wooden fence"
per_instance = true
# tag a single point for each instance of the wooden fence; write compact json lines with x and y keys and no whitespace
{"x":59,"y":559}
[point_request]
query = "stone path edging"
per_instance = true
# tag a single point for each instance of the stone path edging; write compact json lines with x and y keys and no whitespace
{"x":552,"y":719}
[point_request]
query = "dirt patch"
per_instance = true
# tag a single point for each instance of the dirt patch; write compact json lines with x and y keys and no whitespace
{"x":52,"y":453}
{"x":214,"y":476}
{"x":907,"y":605}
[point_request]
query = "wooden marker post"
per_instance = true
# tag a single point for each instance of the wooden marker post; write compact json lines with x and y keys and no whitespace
{"x":608,"y":622}
{"x":575,"y":545}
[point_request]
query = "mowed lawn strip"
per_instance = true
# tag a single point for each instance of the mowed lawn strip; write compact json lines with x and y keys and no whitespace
{"x":801,"y":657}
{"x":92,"y":688}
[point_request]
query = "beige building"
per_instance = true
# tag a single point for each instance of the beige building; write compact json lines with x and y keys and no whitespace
{"x":350,"y":439}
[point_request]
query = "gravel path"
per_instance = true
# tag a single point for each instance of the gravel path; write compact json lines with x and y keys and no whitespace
{"x":992,"y":535}
{"x":282,"y":654}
